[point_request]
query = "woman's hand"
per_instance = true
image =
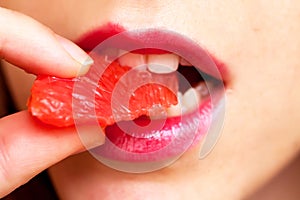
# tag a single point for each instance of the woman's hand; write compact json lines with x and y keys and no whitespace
{"x":28,"y":44}
{"x":27,"y":147}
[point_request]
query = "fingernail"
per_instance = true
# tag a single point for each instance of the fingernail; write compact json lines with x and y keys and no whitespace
{"x":78,"y":54}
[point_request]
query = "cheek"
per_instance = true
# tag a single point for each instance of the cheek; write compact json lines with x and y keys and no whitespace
{"x":263,"y":101}
{"x":263,"y":104}
{"x":261,"y":129}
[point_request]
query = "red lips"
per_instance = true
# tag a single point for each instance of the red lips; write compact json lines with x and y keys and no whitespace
{"x":173,"y":136}
{"x":154,"y":41}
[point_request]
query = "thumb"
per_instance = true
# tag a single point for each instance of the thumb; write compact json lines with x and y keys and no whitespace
{"x":27,"y":147}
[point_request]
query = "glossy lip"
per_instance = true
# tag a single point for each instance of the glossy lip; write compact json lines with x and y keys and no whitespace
{"x":176,"y":126}
{"x":177,"y":135}
{"x":90,"y":40}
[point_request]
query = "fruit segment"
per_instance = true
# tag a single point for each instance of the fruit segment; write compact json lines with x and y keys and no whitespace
{"x":109,"y":93}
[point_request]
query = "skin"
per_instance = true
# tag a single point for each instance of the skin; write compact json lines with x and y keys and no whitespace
{"x":258,"y":41}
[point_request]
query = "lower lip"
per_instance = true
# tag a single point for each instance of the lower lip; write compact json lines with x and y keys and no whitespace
{"x":160,"y":140}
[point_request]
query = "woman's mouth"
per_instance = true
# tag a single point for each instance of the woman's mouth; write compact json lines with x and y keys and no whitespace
{"x":157,"y":128}
{"x":180,"y":69}
{"x":162,"y":134}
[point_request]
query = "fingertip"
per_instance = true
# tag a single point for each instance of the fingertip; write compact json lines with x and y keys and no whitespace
{"x":84,"y":61}
{"x":30,"y":45}
{"x":85,"y":66}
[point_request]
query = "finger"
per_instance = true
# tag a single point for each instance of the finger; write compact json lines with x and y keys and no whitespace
{"x":35,"y":48}
{"x":27,"y":147}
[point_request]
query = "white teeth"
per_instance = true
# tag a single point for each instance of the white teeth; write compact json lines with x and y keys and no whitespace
{"x":202,"y":89}
{"x":163,"y":64}
{"x":184,"y":62}
{"x":187,"y":102}
{"x":191,"y":100}
{"x":131,"y":59}
{"x":176,"y":110}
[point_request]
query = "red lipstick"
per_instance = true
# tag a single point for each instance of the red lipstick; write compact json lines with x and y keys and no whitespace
{"x":93,"y":38}
{"x":156,"y":39}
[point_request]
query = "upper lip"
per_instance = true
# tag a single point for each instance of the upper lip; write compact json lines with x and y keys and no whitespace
{"x":156,"y":41}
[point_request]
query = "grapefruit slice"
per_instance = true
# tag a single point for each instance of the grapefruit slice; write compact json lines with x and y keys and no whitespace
{"x":109,"y":92}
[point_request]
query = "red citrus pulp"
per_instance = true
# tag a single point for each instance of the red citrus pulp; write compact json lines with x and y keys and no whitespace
{"x":109,"y":92}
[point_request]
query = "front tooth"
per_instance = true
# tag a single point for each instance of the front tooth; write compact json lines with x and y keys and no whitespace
{"x":176,"y":110}
{"x":131,"y":59}
{"x":184,"y":62}
{"x":191,"y":100}
{"x":163,"y":64}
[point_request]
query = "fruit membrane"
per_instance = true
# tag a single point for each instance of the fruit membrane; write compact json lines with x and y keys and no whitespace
{"x":108,"y":92}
